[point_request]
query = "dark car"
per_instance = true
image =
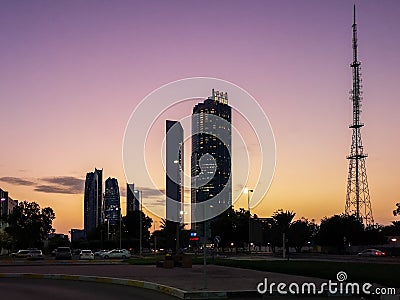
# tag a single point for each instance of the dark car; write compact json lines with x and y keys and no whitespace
{"x":63,"y":253}
{"x":371,"y":252}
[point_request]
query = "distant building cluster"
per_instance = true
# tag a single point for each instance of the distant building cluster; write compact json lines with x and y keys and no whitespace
{"x":210,"y":172}
{"x":103,"y":206}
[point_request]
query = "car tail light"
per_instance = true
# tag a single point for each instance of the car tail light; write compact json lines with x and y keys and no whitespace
{"x":383,"y":253}
{"x":377,"y":253}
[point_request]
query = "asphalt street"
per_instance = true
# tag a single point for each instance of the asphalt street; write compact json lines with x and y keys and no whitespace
{"x":42,"y":289}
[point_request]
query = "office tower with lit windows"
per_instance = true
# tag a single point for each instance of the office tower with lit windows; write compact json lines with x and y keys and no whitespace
{"x":112,"y":207}
{"x":93,"y":200}
{"x":211,"y":159}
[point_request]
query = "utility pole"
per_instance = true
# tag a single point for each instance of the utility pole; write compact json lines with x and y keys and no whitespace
{"x":141,"y":223}
{"x":248,"y":207}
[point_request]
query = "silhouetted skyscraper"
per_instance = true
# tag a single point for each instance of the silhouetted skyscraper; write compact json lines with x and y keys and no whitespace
{"x":132,"y":198}
{"x":112,"y":205}
{"x":174,"y":170}
{"x":93,"y":208}
{"x":211,"y":160}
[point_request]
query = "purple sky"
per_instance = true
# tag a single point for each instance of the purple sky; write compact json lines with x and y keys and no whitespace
{"x":73,"y":71}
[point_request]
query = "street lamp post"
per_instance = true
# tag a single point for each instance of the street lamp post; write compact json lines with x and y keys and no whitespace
{"x":394,"y":240}
{"x":155,"y":239}
{"x":120,"y":226}
{"x":108,"y":228}
{"x":1,"y":210}
{"x":248,"y":206}
{"x":141,"y":223}
{"x":178,"y":231}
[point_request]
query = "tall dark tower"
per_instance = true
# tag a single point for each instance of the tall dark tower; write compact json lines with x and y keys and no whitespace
{"x":93,"y":200}
{"x":174,"y":170}
{"x":211,"y":159}
{"x":358,"y":201}
{"x":174,"y":180}
{"x":112,"y":201}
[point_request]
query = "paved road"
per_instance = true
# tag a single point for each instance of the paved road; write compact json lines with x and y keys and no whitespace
{"x":42,"y":289}
{"x":293,"y":256}
{"x":191,"y":279}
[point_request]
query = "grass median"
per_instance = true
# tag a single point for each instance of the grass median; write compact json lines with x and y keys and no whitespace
{"x":385,"y":274}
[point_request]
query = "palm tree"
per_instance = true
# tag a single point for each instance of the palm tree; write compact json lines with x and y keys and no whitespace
{"x":283,"y":219}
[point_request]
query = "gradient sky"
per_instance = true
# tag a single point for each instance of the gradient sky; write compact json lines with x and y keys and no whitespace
{"x":72,"y":72}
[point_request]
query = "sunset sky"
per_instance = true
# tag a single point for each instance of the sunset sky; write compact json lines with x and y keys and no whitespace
{"x":72,"y":73}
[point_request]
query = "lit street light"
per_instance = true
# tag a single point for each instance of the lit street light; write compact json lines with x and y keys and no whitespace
{"x":394,"y":240}
{"x":108,"y":228}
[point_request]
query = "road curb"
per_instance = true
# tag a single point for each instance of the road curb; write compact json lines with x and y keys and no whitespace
{"x":127,"y":282}
{"x":164,"y":289}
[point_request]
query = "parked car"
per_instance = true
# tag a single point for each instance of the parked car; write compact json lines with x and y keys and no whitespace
{"x":116,"y":253}
{"x":20,"y":253}
{"x":371,"y":252}
{"x":100,"y":252}
{"x":86,"y":254}
{"x":35,"y":254}
{"x":63,"y":253}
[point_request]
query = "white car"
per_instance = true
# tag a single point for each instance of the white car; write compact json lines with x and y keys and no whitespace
{"x":116,"y":253}
{"x":86,"y":254}
{"x":100,"y":252}
{"x":35,"y":254}
{"x":20,"y":253}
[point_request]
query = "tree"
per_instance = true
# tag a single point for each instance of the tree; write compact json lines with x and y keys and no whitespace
{"x":339,"y":231}
{"x":393,"y":229}
{"x":396,"y":212}
{"x":226,"y":226}
{"x":29,"y":225}
{"x":232,"y":226}
{"x":6,"y":240}
{"x":131,"y":228}
{"x":373,"y":235}
{"x":283,"y":219}
{"x":167,"y":235}
{"x":300,"y":233}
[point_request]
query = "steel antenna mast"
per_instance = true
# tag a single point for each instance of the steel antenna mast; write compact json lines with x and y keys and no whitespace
{"x":358,"y":200}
